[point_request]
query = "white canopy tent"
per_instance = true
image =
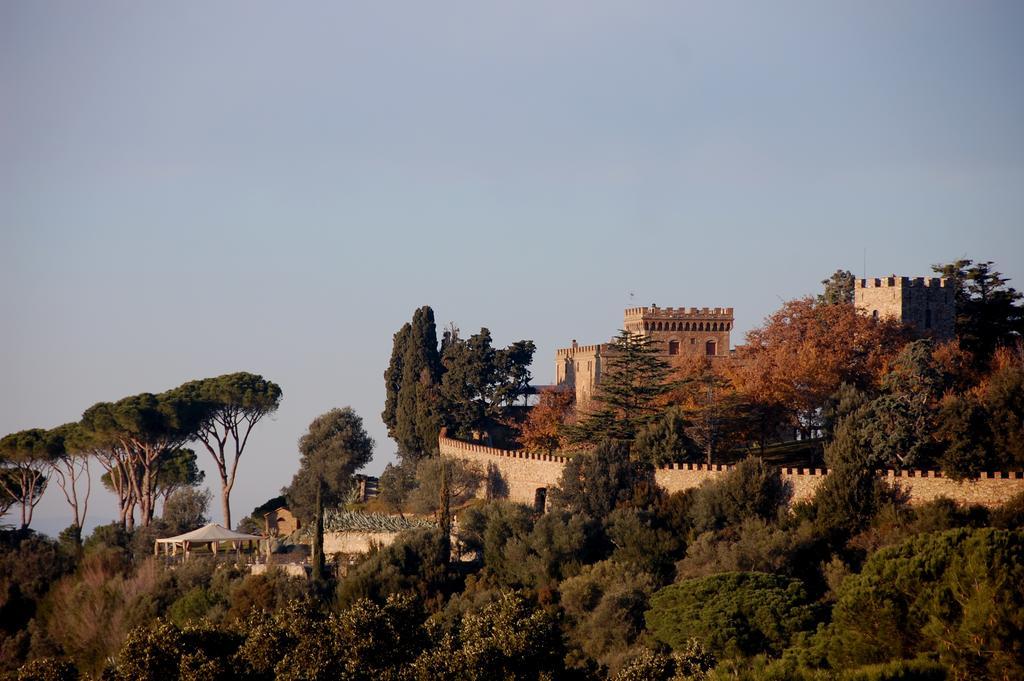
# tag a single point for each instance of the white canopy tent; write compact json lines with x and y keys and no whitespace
{"x":212,"y":534}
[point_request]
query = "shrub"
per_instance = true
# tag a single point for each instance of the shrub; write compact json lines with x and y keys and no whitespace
{"x":604,"y":609}
{"x":734,"y":614}
{"x":48,"y":669}
{"x":955,"y":592}
{"x":750,"y":490}
{"x":415,"y":563}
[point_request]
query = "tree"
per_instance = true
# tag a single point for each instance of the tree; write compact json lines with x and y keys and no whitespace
{"x":393,"y":378}
{"x":630,"y":395}
{"x":735,"y":613}
{"x":752,"y":489}
{"x":542,"y":430}
{"x":26,"y":458}
{"x":185,"y":509}
{"x":70,"y":466}
{"x":989,"y":314}
{"x":838,"y":289}
{"x":956,"y":593}
{"x":438,"y":480}
{"x":230,"y":406}
{"x":417,"y":420}
{"x":177,"y":471}
{"x":115,"y":459}
{"x":714,"y":412}
{"x":481,"y":383}
{"x":334,"y":447}
{"x":897,"y":429}
{"x":852,"y":493}
{"x":666,"y":440}
{"x":805,"y":351}
{"x":144,"y":427}
{"x":595,"y":483}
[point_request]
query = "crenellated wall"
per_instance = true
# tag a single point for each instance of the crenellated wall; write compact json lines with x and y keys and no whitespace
{"x":524,"y":473}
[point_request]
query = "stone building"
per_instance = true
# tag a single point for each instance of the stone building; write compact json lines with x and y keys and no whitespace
{"x":928,"y":304}
{"x":682,"y":334}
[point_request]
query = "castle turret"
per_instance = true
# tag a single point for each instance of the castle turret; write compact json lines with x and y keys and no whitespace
{"x":927,"y":304}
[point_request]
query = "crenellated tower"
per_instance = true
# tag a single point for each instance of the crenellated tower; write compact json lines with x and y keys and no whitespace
{"x":683,"y":333}
{"x":926,"y":303}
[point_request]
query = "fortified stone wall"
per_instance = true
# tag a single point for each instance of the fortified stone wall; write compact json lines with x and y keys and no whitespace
{"x":525,"y":473}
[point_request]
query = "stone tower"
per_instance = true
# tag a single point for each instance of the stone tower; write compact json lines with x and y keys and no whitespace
{"x":927,"y":304}
{"x":683,"y":331}
{"x":683,"y":334}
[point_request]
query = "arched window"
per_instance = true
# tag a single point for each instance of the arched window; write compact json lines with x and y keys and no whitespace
{"x":540,"y":498}
{"x":874,"y":315}
{"x":710,"y":348}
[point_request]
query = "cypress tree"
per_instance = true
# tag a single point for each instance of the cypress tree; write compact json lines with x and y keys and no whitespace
{"x":417,"y":421}
{"x":393,"y":378}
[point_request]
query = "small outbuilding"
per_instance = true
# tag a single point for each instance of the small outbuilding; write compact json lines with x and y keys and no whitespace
{"x":280,"y":522}
{"x":212,"y":534}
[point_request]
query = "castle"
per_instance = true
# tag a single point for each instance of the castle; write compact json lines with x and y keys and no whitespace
{"x":682,"y":334}
{"x":927,"y":304}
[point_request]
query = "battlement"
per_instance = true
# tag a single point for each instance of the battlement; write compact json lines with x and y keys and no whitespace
{"x":717,"y":313}
{"x":902,"y":282}
{"x":452,"y":447}
{"x":582,"y":349}
{"x":528,"y":474}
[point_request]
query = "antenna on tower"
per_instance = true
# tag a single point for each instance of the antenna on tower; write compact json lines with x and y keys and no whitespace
{"x":865,"y":276}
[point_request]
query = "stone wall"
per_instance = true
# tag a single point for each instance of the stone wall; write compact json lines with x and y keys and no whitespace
{"x":355,"y":542}
{"x":525,"y":473}
{"x":522,"y":473}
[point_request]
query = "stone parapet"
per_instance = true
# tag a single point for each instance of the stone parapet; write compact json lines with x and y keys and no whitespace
{"x":524,"y":473}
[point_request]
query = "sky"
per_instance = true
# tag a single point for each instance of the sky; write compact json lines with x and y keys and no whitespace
{"x":191,"y":189}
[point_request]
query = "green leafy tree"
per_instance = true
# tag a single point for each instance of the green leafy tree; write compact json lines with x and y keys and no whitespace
{"x":955,"y":592}
{"x":736,"y":614}
{"x":751,"y":489}
{"x":144,"y":428}
{"x":414,"y":564}
{"x":393,"y":377}
{"x":509,"y":638}
{"x":26,"y":459}
{"x":481,"y":383}
{"x":852,"y":493}
{"x":988,"y":312}
{"x":185,"y":509}
{"x":71,"y":467}
{"x":838,"y":289}
{"x":417,"y":420}
{"x":595,"y":483}
{"x":333,"y":448}
{"x":604,"y":610}
{"x":177,"y":471}
{"x":666,"y":440}
{"x":230,"y":406}
{"x":629,"y":397}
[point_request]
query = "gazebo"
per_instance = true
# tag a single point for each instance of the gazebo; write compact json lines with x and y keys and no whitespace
{"x":211,"y":534}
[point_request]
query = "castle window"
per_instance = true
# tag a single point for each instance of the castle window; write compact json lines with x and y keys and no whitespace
{"x":927,"y":319}
{"x":673,"y":347}
{"x":710,"y":348}
{"x":874,"y":315}
{"x":693,"y":341}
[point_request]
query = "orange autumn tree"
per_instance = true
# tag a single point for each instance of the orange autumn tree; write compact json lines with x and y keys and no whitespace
{"x":802,"y":353}
{"x":541,"y":431}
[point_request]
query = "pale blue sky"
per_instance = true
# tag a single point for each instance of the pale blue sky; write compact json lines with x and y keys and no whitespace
{"x":188,"y":189}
